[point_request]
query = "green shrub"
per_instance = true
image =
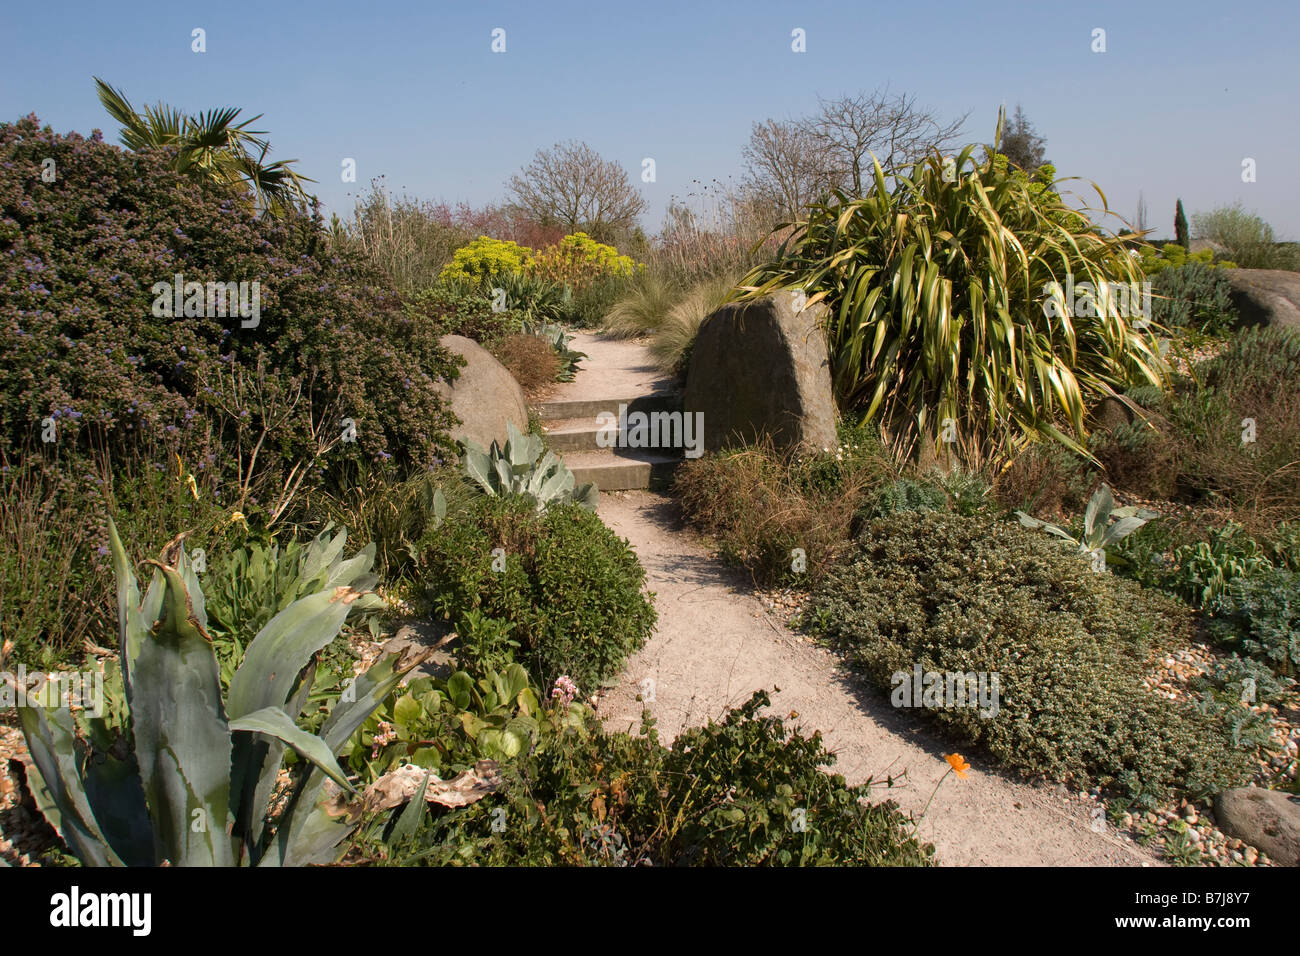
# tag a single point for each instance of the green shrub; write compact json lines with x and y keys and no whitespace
{"x":742,"y":792}
{"x":1200,"y":571}
{"x":589,"y":307}
{"x":1248,"y":393}
{"x":1173,"y":257}
{"x":532,"y":298}
{"x":1070,"y":648}
{"x":940,"y":290}
{"x":783,"y":517}
{"x":1259,"y":613}
{"x":467,"y":311}
{"x":1282,"y":545}
{"x":395,"y":515}
{"x":1248,"y":238}
{"x":906,"y":494}
{"x":1195,"y":296}
{"x":448,"y":724}
{"x":570,"y":587}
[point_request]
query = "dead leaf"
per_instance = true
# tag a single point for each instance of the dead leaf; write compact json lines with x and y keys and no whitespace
{"x":398,"y":787}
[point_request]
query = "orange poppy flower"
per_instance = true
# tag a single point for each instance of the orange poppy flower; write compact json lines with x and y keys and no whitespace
{"x":959,"y":766}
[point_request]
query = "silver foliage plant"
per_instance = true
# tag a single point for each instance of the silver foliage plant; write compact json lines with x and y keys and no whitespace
{"x":520,"y":468}
{"x":172,"y":772}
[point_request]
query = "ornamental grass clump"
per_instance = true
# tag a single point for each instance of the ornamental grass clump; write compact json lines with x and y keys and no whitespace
{"x":948,"y":308}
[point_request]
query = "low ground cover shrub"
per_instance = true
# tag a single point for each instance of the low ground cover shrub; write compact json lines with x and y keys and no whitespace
{"x":1194,"y":296}
{"x":557,"y":582}
{"x":1259,"y":614}
{"x":761,"y":505}
{"x":1239,"y":434}
{"x":531,"y":359}
{"x":728,"y":794}
{"x":1070,"y":648}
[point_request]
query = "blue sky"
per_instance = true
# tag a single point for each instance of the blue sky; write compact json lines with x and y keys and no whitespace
{"x":1184,"y":92}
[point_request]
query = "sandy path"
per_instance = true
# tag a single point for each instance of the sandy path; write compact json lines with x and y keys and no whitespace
{"x":716,"y":643}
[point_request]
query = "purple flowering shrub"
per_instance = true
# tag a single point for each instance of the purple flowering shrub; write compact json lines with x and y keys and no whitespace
{"x":177,"y":423}
{"x":79,"y":342}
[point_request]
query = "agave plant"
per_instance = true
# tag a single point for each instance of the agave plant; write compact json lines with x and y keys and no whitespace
{"x":1098,"y":531}
{"x":517,"y":470}
{"x":533,"y":296}
{"x":211,"y":146}
{"x":172,"y":772}
{"x":943,"y":308}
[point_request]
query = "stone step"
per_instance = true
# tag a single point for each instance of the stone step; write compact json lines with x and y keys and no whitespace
{"x":622,"y":470}
{"x":568,"y":435}
{"x":590,"y":408}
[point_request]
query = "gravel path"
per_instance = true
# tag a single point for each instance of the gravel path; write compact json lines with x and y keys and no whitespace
{"x":716,"y":643}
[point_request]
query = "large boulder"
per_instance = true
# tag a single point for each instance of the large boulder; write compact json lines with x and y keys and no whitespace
{"x":1268,"y":820}
{"x":761,"y":367}
{"x":1266,"y":296}
{"x":485,"y":397}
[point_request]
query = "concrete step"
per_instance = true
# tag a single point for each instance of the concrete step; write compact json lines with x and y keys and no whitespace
{"x":622,"y":469}
{"x":590,"y":408}
{"x":572,"y":434}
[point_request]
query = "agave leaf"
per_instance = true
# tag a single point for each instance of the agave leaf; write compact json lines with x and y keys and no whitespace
{"x":185,"y":567}
{"x":128,"y":599}
{"x":587,"y":495}
{"x":182,"y":741}
{"x":274,"y":722}
{"x":250,"y":789}
{"x":283,"y":647}
{"x":1120,"y":529}
{"x":57,"y":785}
{"x":478,"y":466}
{"x":345,"y":573}
{"x":116,"y":794}
{"x":321,"y":554}
{"x":559,"y":483}
{"x":308,"y":834}
{"x":1099,"y":505}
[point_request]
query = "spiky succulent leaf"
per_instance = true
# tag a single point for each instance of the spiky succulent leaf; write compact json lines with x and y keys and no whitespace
{"x":275,"y":723}
{"x":182,"y":740}
{"x":478,"y":466}
{"x":57,"y":785}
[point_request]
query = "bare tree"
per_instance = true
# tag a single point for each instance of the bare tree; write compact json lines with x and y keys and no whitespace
{"x":785,"y":169}
{"x":849,"y":130}
{"x":572,"y":186}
